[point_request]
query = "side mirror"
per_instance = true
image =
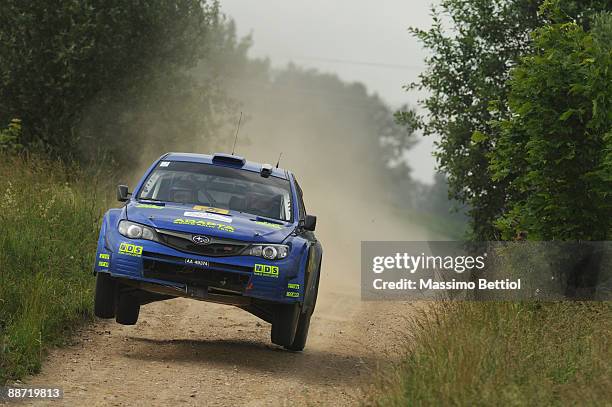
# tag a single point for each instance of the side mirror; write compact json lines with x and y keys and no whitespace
{"x":122,"y":193}
{"x":310,"y":222}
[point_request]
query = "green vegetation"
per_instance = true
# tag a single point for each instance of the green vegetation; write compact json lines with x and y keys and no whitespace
{"x":474,"y":45}
{"x":555,"y":151}
{"x":477,"y":354}
{"x":49,"y":216}
{"x":86,"y":76}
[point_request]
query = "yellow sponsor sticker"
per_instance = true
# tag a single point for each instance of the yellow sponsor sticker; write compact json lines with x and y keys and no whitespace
{"x":204,"y":223}
{"x":103,"y":263}
{"x":130,"y":249}
{"x":266,"y":270}
{"x":104,"y":256}
{"x":293,"y":286}
{"x":211,"y":209}
{"x":292,"y":294}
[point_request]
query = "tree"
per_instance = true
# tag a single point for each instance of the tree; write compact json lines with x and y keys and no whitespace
{"x":554,"y":151}
{"x":110,"y":74}
{"x":468,"y":70}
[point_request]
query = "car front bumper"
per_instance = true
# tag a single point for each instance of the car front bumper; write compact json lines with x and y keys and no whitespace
{"x":158,"y":268}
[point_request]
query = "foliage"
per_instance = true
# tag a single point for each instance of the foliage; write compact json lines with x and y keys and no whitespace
{"x":9,"y":137}
{"x":49,"y":215}
{"x":467,"y":70}
{"x":554,"y":150}
{"x":105,"y":75}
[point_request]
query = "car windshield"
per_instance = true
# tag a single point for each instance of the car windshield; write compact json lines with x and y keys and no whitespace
{"x":219,"y":187}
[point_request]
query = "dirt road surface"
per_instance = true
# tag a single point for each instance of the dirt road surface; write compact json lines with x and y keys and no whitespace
{"x":190,"y":353}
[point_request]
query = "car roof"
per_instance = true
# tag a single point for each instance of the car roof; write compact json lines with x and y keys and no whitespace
{"x":208,"y":159}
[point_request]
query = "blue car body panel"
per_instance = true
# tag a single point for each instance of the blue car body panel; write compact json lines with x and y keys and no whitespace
{"x":281,"y":281}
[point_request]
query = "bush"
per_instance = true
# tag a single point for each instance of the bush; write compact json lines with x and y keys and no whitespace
{"x":555,"y":151}
{"x":9,"y":137}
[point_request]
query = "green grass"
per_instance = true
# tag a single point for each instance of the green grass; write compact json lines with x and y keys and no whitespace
{"x":49,"y":217}
{"x":507,"y":354}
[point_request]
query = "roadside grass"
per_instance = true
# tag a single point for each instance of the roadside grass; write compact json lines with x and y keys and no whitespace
{"x":49,"y":215}
{"x":510,"y":354}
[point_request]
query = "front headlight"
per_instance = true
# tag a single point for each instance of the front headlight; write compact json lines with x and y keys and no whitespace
{"x":268,"y":251}
{"x":134,"y":230}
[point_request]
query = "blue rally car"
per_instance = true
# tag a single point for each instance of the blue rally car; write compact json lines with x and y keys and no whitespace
{"x":213,"y":228}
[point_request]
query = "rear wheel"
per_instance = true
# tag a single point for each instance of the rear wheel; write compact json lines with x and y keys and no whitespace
{"x":284,"y":324}
{"x":104,"y":300}
{"x":127,"y":310}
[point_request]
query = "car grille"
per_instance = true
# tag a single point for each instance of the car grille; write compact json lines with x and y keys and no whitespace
{"x":216,"y":247}
{"x":195,"y":276}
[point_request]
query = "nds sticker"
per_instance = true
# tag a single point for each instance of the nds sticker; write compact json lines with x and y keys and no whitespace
{"x":164,"y":163}
{"x":266,"y":270}
{"x":130,"y":249}
{"x":211,"y":216}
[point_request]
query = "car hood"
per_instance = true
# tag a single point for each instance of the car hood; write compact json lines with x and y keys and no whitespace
{"x":209,"y":221}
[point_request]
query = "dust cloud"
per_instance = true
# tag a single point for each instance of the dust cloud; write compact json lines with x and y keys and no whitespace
{"x":329,"y":134}
{"x":331,"y":144}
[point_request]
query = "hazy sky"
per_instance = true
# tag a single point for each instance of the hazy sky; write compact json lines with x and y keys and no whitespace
{"x":360,"y":40}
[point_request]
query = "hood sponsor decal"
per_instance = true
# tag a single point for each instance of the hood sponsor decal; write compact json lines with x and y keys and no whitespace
{"x":204,"y":223}
{"x":206,"y":215}
{"x":269,"y":224}
{"x":211,"y":209}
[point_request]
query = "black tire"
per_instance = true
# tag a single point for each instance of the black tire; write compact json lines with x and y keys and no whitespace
{"x":127,"y":310}
{"x":301,"y":334}
{"x":104,"y":299}
{"x":284,"y":324}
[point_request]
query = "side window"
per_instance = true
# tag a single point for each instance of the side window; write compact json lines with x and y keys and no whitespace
{"x":302,"y":212}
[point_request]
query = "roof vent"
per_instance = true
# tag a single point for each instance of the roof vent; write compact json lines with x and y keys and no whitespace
{"x":266,"y":170}
{"x":228,"y":159}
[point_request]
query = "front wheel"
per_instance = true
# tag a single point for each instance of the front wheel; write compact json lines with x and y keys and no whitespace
{"x":127,"y":310}
{"x":285,"y":323}
{"x":301,"y":334}
{"x":104,"y":300}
